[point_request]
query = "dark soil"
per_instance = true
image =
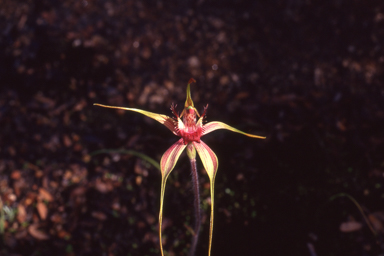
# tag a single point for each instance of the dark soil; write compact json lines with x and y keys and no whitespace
{"x":306,"y":74}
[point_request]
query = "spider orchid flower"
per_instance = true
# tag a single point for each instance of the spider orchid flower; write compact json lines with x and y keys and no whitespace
{"x":190,"y":130}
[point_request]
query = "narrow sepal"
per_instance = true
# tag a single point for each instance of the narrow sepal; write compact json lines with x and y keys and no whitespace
{"x":188,"y":101}
{"x":213,"y":126}
{"x":170,"y":157}
{"x":163,"y":119}
{"x":167,"y":163}
{"x":210,"y":162}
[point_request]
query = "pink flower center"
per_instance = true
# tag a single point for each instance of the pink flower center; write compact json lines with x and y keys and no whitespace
{"x":191,"y":132}
{"x":190,"y":136}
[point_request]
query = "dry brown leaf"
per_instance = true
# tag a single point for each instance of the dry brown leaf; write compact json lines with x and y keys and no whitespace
{"x":103,"y":187}
{"x":18,"y":186}
{"x":67,"y":141}
{"x":15,"y":175}
{"x":341,"y":125}
{"x":242,"y":95}
{"x":56,"y":218}
{"x":39,"y":173}
{"x":42,"y":209}
{"x":63,"y":234}
{"x":45,"y":195}
{"x":21,"y":213}
{"x":86,"y":158}
{"x":99,"y":215}
{"x":28,"y":201}
{"x":77,"y":147}
{"x":30,"y":198}
{"x":350,"y":226}
{"x":139,"y":179}
{"x":36,"y":233}
{"x":5,"y":224}
{"x":67,"y":175}
{"x":79,"y":191}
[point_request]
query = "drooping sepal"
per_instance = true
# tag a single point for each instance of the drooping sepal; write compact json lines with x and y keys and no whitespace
{"x":163,"y":119}
{"x":170,"y":157}
{"x":213,"y":126}
{"x":210,"y":162}
{"x":167,"y":163}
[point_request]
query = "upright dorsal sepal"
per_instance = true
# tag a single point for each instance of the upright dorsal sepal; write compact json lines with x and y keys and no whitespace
{"x":188,"y":101}
{"x":188,"y":106}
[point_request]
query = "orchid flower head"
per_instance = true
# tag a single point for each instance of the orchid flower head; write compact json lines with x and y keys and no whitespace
{"x":190,"y":130}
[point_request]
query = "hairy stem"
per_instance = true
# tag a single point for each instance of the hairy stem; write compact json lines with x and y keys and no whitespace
{"x":195,"y":182}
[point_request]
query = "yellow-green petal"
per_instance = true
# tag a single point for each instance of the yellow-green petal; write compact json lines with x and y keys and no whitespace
{"x":167,"y":163}
{"x":213,"y":126}
{"x":163,"y":119}
{"x":210,"y":162}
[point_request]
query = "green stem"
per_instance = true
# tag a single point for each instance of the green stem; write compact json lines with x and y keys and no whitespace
{"x":128,"y":152}
{"x":358,"y":207}
{"x":195,"y":183}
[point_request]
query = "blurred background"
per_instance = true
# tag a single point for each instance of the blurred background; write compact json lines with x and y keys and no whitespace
{"x":306,"y":74}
